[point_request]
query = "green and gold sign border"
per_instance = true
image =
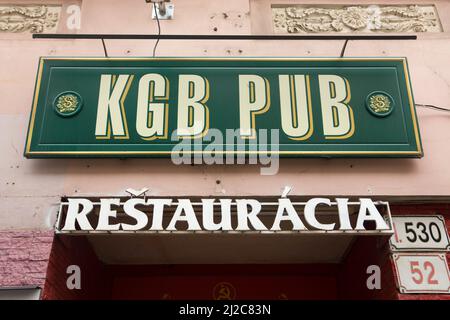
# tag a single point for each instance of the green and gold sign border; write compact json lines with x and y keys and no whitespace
{"x":28,"y":153}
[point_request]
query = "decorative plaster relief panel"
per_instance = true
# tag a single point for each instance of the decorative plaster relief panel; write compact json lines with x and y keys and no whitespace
{"x":29,"y":18}
{"x":355,"y":19}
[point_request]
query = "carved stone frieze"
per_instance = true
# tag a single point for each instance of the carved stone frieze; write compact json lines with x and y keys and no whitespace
{"x":29,"y":18}
{"x":355,"y":19}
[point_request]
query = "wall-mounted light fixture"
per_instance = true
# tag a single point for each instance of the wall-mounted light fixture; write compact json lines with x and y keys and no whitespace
{"x":164,"y":9}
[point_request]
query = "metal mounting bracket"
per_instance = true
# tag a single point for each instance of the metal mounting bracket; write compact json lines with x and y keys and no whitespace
{"x":163,"y":10}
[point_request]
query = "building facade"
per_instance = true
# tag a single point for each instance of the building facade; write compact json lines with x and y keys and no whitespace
{"x":236,"y":265}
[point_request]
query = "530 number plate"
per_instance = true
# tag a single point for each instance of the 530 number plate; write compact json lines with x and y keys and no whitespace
{"x":419,"y":233}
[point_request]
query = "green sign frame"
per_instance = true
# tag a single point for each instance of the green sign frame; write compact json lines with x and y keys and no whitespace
{"x":322,"y":107}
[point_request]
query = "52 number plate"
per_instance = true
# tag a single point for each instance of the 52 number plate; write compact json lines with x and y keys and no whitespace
{"x":419,"y":233}
{"x":422,"y":273}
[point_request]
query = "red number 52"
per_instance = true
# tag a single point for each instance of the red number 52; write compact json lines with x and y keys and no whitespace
{"x":417,"y":275}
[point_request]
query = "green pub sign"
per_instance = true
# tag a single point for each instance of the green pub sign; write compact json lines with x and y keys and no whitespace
{"x":146,"y":107}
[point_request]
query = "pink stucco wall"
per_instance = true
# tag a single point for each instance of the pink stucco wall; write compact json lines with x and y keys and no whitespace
{"x":31,"y":189}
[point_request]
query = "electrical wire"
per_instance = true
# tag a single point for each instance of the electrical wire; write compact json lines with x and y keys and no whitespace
{"x":430,"y":106}
{"x":159,"y":30}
